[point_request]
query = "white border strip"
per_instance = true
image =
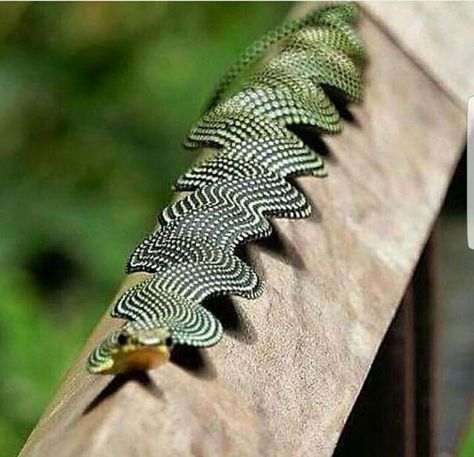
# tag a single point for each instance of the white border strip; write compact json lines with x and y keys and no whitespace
{"x":470,"y":172}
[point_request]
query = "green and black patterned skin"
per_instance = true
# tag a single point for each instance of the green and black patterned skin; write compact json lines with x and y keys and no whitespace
{"x":192,"y":253}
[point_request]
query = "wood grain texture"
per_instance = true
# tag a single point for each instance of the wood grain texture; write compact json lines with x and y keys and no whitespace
{"x":283,"y":380}
{"x":395,"y":414}
{"x":439,"y":34}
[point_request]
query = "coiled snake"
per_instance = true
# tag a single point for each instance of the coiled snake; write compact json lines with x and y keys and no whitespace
{"x":192,"y":253}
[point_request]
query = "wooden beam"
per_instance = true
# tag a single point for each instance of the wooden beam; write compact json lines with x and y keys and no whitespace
{"x":438,"y":35}
{"x":286,"y":375}
{"x":395,"y":415}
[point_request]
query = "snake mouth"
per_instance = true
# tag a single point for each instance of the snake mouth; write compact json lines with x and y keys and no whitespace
{"x":130,"y":349}
{"x":138,"y":358}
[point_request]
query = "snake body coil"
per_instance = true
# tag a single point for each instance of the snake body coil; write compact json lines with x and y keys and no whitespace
{"x":192,"y":253}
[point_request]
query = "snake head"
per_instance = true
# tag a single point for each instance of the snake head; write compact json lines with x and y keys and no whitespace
{"x":131,"y":349}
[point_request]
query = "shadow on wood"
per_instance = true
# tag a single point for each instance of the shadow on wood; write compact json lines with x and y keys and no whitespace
{"x":395,"y":414}
{"x":143,"y":379}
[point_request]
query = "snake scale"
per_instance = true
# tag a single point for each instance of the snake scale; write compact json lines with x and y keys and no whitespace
{"x":192,"y":254}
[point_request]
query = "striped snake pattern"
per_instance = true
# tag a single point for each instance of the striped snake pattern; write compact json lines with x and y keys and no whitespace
{"x":192,"y":253}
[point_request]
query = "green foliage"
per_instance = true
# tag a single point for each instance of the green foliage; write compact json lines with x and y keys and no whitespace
{"x":96,"y":98}
{"x":467,"y":443}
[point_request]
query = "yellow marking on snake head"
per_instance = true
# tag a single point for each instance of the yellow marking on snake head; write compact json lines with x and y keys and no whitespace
{"x":132,"y":350}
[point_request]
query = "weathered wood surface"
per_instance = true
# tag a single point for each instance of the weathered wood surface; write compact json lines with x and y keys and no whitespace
{"x":284,"y":380}
{"x":395,"y":414}
{"x":440,"y":35}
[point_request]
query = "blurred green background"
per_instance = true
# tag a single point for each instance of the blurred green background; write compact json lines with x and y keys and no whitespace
{"x":95,"y":99}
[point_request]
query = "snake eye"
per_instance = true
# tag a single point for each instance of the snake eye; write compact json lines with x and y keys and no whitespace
{"x":169,"y":341}
{"x":122,"y":339}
